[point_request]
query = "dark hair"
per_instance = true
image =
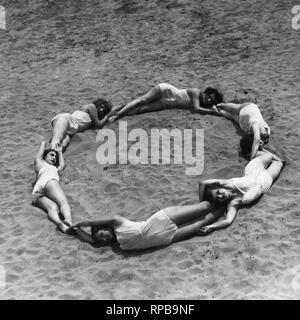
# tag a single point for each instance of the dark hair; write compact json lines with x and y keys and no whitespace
{"x":49,"y":150}
{"x":101,"y":102}
{"x":246,"y":145}
{"x":208,"y":194}
{"x":208,"y":191}
{"x":95,"y":229}
{"x":218,"y":96}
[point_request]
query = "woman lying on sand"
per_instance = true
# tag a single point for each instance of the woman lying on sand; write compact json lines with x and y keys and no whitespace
{"x":65,"y":125}
{"x":47,"y":192}
{"x":260,"y":173}
{"x":165,"y":96}
{"x":248,"y":116}
{"x":166,"y":226}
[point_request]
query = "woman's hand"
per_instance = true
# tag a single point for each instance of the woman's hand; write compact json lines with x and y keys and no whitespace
{"x":72,"y":230}
{"x":205,"y":230}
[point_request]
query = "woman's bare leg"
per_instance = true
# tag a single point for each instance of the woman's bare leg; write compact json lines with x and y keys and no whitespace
{"x":60,"y":126}
{"x":65,"y":142}
{"x":229,"y":115}
{"x":231,"y":107}
{"x":52,"y":210}
{"x":183,"y":214}
{"x":193,"y":229}
{"x":115,"y":110}
{"x":151,"y":107}
{"x":55,"y":193}
{"x":153,"y":95}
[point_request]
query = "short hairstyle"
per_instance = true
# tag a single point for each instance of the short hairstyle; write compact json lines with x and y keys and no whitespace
{"x":218,"y":95}
{"x":95,"y":229}
{"x":208,"y":191}
{"x":49,"y":150}
{"x":102,"y":102}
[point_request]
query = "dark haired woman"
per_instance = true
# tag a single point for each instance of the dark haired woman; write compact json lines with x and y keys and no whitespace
{"x":166,"y":96}
{"x":260,"y":173}
{"x":65,"y":125}
{"x":47,"y":192}
{"x":166,"y":226}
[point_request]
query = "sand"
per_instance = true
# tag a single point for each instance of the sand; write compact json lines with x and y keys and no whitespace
{"x":58,"y":55}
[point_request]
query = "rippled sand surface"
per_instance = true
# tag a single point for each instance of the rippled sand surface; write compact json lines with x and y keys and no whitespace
{"x":58,"y":55}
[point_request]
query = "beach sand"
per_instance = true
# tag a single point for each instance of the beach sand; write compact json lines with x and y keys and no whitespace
{"x":58,"y":55}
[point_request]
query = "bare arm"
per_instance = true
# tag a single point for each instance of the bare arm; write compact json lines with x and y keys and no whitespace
{"x":61,"y":160}
{"x":92,"y":110}
{"x":38,"y":161}
{"x":193,"y":229}
{"x":115,"y":221}
{"x":231,"y":213}
{"x":84,"y":235}
{"x":195,"y":96}
{"x":202,"y":185}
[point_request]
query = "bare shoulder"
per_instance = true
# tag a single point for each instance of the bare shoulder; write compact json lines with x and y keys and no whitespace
{"x":118,"y":220}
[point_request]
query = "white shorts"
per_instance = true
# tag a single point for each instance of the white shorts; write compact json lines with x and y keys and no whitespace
{"x":158,"y":230}
{"x":72,"y":125}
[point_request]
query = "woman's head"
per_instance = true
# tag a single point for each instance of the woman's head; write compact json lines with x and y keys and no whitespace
{"x":103,"y":235}
{"x":103,"y":107}
{"x":214,"y":192}
{"x":210,"y":97}
{"x":51,"y":156}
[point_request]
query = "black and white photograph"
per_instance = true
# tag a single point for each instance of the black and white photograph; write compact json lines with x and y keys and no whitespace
{"x":150,"y":151}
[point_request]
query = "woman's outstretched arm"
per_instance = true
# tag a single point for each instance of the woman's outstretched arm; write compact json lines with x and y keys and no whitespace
{"x":205,"y":183}
{"x":231,"y":213}
{"x":39,"y":156}
{"x":61,"y":161}
{"x":83,"y":235}
{"x":194,"y":229}
{"x":115,"y":221}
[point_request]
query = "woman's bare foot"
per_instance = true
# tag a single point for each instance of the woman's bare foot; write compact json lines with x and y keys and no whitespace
{"x":68,"y":222}
{"x":63,"y":227}
{"x":112,"y":119}
{"x":55,"y":145}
